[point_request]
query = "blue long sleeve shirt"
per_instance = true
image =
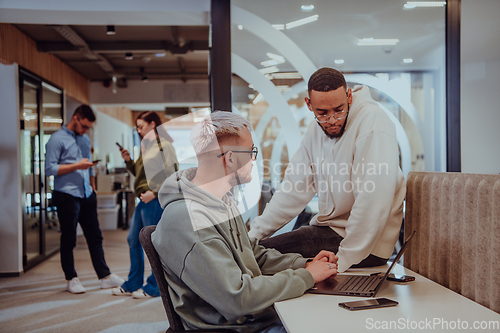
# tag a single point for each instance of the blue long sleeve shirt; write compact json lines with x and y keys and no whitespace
{"x":65,"y":147}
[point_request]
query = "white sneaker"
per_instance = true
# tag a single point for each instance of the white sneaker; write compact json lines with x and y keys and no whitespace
{"x":75,"y":287}
{"x":140,"y":294}
{"x":119,"y":291}
{"x":111,"y":281}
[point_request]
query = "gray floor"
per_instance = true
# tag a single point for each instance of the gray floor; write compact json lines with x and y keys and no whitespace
{"x":37,"y":301}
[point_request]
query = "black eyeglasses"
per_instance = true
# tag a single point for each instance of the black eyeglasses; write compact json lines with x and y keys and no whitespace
{"x":253,"y":153}
{"x":85,"y":127}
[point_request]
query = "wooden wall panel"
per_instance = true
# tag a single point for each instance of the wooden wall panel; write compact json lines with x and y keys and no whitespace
{"x":121,"y":113}
{"x":16,"y":47}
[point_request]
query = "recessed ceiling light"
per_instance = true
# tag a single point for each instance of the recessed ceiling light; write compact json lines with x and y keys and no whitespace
{"x":339,"y":61}
{"x":303,"y":21}
{"x":160,"y":54}
{"x":240,"y":27}
{"x":407,"y":60}
{"x":306,"y":8}
{"x":110,"y":30}
{"x":373,"y":41}
{"x":279,"y":26}
{"x":129,"y":56}
{"x":415,"y":4}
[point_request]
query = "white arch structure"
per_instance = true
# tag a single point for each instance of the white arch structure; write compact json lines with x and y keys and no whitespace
{"x":278,"y":103}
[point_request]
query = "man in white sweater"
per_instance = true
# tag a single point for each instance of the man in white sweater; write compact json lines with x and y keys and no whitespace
{"x":349,"y":158}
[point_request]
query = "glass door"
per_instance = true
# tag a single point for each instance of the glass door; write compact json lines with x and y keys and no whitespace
{"x":51,"y":122}
{"x":40,"y":115}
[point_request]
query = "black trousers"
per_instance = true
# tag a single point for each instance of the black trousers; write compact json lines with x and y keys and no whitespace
{"x":71,"y":211}
{"x":310,"y":240}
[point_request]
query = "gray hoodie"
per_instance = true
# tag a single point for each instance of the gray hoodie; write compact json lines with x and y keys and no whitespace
{"x":219,"y":278}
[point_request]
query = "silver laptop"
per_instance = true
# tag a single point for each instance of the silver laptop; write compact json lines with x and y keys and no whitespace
{"x":356,"y":285}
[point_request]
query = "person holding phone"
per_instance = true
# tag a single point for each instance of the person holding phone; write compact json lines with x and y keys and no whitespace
{"x":67,"y":158}
{"x":148,"y":211}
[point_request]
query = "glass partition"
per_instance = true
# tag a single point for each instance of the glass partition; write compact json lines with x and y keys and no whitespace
{"x":40,"y":115}
{"x":397,"y":50}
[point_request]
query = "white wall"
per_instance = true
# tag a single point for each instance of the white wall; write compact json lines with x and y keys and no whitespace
{"x":480,"y":86}
{"x":10,"y":177}
{"x":108,"y":131}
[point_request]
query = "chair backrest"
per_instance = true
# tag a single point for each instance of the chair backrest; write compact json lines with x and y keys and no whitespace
{"x":457,"y":244}
{"x":157,"y":268}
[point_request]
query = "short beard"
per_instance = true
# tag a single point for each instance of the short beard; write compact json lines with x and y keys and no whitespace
{"x":240,"y":177}
{"x":339,"y":134}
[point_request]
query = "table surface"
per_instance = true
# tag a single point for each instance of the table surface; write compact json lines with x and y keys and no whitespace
{"x":424,"y":306}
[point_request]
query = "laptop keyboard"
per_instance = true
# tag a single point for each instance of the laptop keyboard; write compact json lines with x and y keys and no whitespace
{"x":359,"y":283}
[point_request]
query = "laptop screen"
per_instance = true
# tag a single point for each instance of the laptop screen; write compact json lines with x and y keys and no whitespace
{"x":400,"y":253}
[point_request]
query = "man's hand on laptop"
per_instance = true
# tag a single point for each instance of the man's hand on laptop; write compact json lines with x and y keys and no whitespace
{"x":323,"y":266}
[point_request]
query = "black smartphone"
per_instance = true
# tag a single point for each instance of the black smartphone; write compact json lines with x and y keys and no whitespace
{"x":119,"y":146}
{"x":400,"y":278}
{"x":96,"y":161}
{"x":368,"y":304}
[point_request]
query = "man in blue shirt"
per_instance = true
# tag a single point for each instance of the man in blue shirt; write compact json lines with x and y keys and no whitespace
{"x":68,"y":158}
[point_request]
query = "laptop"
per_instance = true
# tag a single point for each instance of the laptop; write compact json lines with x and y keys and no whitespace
{"x":356,"y":285}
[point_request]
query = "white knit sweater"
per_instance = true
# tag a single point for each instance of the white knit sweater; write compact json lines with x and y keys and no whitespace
{"x":358,"y":181}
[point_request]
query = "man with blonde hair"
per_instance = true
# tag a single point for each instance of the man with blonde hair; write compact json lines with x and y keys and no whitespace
{"x":219,"y":278}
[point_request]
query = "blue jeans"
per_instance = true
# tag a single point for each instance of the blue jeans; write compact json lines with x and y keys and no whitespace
{"x":145,"y":214}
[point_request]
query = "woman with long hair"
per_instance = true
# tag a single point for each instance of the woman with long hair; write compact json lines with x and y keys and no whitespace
{"x":154,"y":148}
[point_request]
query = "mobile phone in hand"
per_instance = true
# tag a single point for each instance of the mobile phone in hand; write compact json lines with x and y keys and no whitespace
{"x":368,"y":304}
{"x":119,"y":146}
{"x":400,"y":278}
{"x":96,"y":161}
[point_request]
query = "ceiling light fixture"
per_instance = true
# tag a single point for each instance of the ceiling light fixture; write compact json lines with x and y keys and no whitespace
{"x":306,"y":8}
{"x":268,"y":63}
{"x":276,"y":57}
{"x":240,"y":27}
{"x":287,"y":76}
{"x":144,"y":77}
{"x":407,"y":60}
{"x":339,"y":61}
{"x":415,"y":4}
{"x":303,"y":21}
{"x":129,"y":56}
{"x":269,"y":70}
{"x":160,"y":54}
{"x":52,"y":120}
{"x":373,"y":41}
{"x":279,"y":26}
{"x":110,"y":30}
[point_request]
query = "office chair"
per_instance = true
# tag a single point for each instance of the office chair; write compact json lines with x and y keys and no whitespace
{"x":157,"y":268}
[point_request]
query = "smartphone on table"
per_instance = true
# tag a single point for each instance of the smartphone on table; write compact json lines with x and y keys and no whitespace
{"x":400,"y":278}
{"x":368,"y":304}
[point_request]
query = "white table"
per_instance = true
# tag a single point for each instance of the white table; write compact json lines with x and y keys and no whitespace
{"x":424,"y":306}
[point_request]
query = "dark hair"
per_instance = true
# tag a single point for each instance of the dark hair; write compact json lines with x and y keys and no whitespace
{"x":84,"y":112}
{"x":150,"y":116}
{"x":326,"y":79}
